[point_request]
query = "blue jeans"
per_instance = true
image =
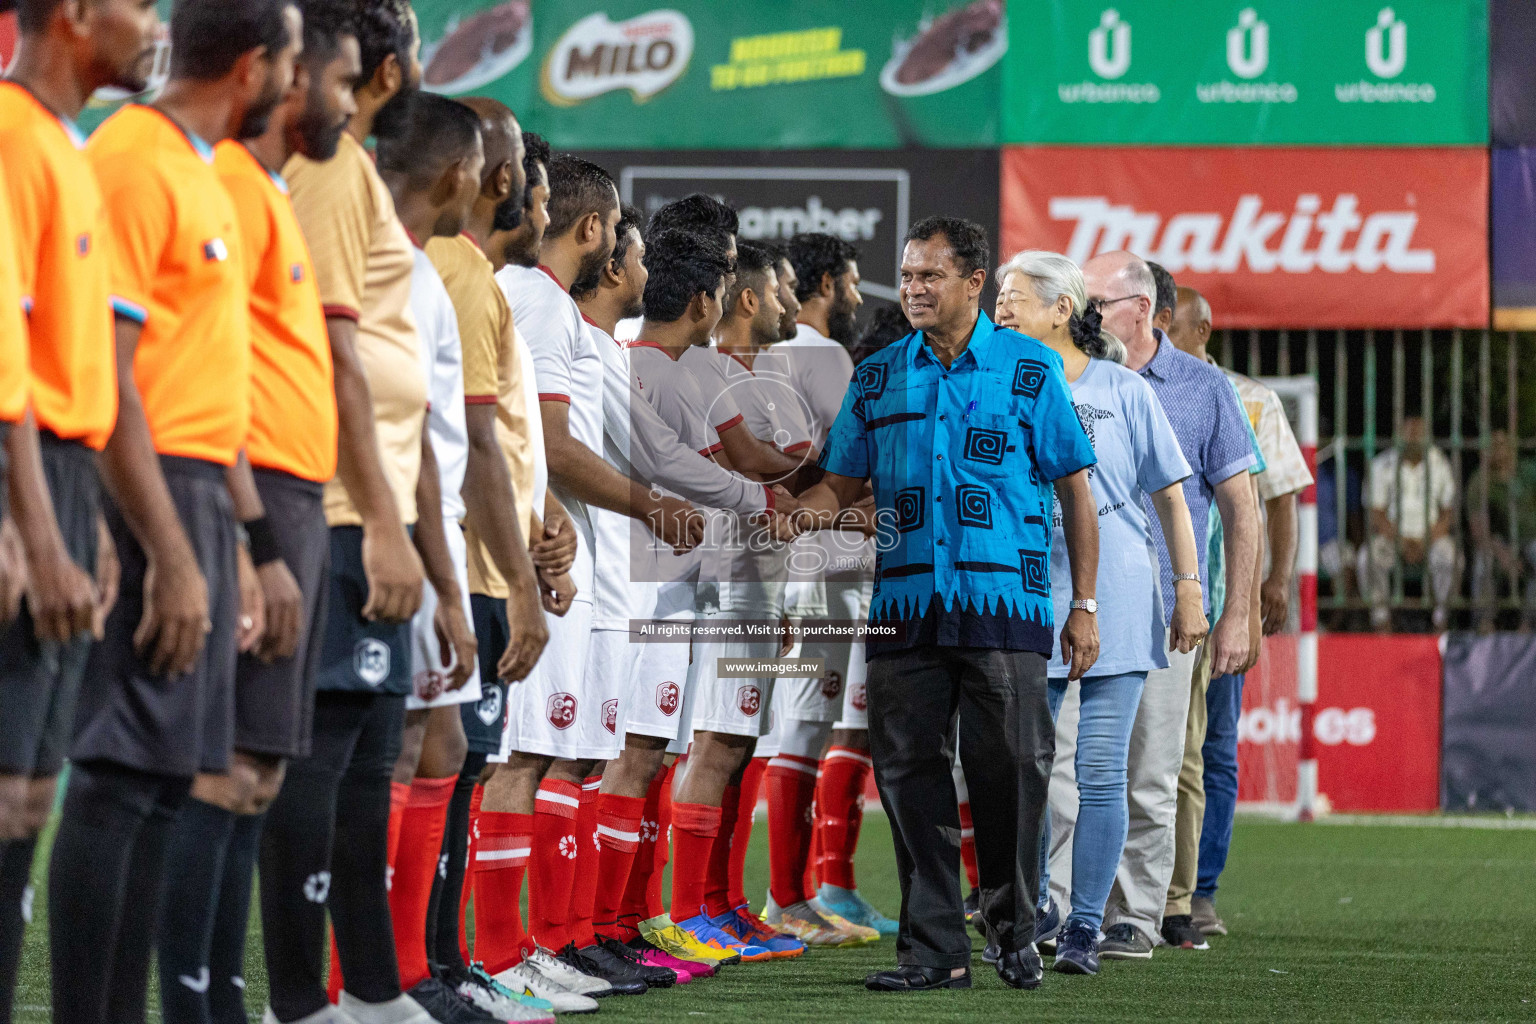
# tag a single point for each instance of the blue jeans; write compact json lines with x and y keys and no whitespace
{"x":1108,"y":711}
{"x":1223,"y":706}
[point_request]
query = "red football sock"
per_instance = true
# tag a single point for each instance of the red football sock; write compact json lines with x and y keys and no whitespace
{"x":416,"y":859}
{"x":654,"y":905}
{"x":694,"y":828}
{"x":584,"y":889}
{"x":475,"y":799}
{"x":633,"y":908}
{"x":552,"y":869}
{"x":501,"y":860}
{"x":741,"y":835}
{"x":618,"y":833}
{"x":968,"y":844}
{"x":717,"y":873}
{"x":399,"y":796}
{"x":791,"y":782}
{"x":812,"y":861}
{"x":843,"y":775}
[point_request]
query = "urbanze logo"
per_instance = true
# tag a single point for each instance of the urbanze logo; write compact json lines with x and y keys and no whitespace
{"x":1386,"y":45}
{"x":1109,"y":57}
{"x":1247,"y":58}
{"x":1261,"y":240}
{"x":1386,"y":55}
{"x":1109,"y":46}
{"x":644,"y":55}
{"x":1248,"y":45}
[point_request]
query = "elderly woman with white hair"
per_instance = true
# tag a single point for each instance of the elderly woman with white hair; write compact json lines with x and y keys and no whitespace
{"x":1042,"y":294}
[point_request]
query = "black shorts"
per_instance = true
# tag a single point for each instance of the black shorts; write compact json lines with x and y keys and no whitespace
{"x":484,"y":719}
{"x":275,"y":702}
{"x":359,"y":656}
{"x":39,"y":681}
{"x":166,"y":725}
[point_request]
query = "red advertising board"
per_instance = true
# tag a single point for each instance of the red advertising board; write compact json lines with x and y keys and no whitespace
{"x":1377,"y":723}
{"x":1269,"y":731}
{"x":1273,"y":237}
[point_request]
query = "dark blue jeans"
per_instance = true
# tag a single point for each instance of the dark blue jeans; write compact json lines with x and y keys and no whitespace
{"x":1223,"y":706}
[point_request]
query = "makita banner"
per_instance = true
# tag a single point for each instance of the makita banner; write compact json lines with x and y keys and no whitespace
{"x":1283,"y":237}
{"x":1204,"y":72}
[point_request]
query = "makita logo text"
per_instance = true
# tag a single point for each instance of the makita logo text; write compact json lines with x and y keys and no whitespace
{"x":1305,"y":239}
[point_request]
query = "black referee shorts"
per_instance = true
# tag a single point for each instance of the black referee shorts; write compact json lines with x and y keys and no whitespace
{"x":275,"y":701}
{"x":40,"y":681}
{"x":165,"y":725}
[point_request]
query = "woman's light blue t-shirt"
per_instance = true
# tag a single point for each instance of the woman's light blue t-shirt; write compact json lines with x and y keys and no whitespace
{"x":1138,"y":454}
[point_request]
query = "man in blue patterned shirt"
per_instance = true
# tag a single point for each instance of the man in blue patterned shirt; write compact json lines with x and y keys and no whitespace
{"x":962,"y":429}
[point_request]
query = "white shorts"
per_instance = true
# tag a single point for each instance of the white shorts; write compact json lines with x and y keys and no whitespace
{"x":657,"y":682}
{"x":855,"y":714}
{"x":428,"y":675}
{"x":554,"y":712}
{"x":737,"y":707}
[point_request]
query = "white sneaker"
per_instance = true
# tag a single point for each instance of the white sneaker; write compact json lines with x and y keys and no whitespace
{"x":566,"y":976}
{"x":499,"y":1006}
{"x":525,"y":978}
{"x":400,"y":1010}
{"x":329,"y":1015}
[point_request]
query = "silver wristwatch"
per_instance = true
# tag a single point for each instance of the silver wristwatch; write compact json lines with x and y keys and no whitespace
{"x":1087,"y":604}
{"x":1186,"y":576}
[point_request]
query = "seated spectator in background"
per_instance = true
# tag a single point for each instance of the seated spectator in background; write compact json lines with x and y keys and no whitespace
{"x":1501,"y":518}
{"x":1411,"y":494}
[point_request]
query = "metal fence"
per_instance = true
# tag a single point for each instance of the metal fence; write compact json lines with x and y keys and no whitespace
{"x":1473,"y":391}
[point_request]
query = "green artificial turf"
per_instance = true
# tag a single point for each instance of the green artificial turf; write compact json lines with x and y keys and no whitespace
{"x":1328,"y":922}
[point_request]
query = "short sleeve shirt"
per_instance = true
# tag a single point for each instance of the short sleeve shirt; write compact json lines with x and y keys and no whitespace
{"x":363,"y":263}
{"x":711,"y":370}
{"x":567,"y":368}
{"x":178,"y":269}
{"x":442,"y":363}
{"x":493,"y":375}
{"x":819,"y":370}
{"x":1214,"y":435}
{"x":58,"y":220}
{"x":961,"y":459}
{"x":1215,"y":544}
{"x":1138,"y":455}
{"x":293,"y":395}
{"x":775,"y":411}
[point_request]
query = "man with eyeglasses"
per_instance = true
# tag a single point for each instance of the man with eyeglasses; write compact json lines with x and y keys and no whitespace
{"x":1213,"y":433}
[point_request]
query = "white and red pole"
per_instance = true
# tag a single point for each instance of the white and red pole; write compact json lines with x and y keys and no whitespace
{"x":1306,"y":572}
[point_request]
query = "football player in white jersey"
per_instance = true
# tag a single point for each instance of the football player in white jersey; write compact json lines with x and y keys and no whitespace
{"x":564,"y":715}
{"x":433,"y":198}
{"x":656,"y":431}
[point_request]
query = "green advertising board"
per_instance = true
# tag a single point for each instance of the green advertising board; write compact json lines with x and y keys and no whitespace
{"x":1246,"y":72}
{"x":710,"y":74}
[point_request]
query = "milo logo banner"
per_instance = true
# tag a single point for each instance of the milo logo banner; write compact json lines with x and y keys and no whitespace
{"x":1242,"y":72}
{"x":703,"y":74}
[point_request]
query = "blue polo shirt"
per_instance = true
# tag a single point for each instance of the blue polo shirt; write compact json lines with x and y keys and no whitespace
{"x":961,"y":460}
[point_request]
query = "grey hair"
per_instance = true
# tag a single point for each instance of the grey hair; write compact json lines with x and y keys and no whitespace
{"x":1053,"y":275}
